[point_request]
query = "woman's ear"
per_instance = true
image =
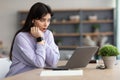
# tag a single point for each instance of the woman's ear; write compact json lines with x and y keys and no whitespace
{"x":33,"y":21}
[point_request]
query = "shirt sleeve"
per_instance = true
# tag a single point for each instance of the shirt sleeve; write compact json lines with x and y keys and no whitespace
{"x":27,"y":54}
{"x":52,"y":51}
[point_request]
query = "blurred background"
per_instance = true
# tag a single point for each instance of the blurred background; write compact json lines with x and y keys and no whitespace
{"x":13,"y":11}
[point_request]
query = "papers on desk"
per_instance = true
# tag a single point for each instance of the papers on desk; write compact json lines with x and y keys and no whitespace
{"x":62,"y":73}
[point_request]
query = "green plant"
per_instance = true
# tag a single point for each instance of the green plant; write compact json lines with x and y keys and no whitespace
{"x":96,"y":26}
{"x":53,"y":31}
{"x":58,"y":41}
{"x":108,"y":50}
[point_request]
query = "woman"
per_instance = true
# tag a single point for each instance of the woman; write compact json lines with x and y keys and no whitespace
{"x":33,"y":45}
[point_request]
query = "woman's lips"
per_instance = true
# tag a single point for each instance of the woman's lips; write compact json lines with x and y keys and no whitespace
{"x":44,"y":29}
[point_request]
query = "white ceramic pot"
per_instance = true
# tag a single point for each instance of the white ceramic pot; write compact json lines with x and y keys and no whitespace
{"x":109,"y":61}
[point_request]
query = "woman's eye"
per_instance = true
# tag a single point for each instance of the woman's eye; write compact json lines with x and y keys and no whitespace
{"x":42,"y":20}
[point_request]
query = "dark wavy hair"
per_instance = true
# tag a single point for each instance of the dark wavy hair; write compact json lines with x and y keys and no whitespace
{"x":37,"y":11}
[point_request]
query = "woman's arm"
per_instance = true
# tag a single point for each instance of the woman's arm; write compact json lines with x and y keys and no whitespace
{"x":29,"y":55}
{"x":52,"y":51}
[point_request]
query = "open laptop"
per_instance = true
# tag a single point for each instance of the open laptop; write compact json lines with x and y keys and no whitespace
{"x":80,"y":58}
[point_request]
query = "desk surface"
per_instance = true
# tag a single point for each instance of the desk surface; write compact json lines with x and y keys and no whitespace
{"x":89,"y":73}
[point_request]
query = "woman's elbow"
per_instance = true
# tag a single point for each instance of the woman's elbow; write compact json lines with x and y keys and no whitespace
{"x":54,"y":62}
{"x":40,"y":64}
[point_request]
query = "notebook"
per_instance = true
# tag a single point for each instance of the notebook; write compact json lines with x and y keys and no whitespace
{"x":80,"y":58}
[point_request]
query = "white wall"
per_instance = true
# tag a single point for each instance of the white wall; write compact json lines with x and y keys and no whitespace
{"x":10,"y":8}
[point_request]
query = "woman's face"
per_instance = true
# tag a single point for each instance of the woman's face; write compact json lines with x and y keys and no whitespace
{"x":43,"y":23}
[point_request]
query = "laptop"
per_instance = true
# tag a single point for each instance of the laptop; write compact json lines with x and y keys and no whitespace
{"x":80,"y":58}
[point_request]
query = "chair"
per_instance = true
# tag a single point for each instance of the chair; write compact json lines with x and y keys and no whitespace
{"x":4,"y":67}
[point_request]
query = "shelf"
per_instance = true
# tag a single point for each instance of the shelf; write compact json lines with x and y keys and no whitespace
{"x":96,"y":9}
{"x":23,"y":11}
{"x":77,"y":22}
{"x":97,"y":21}
{"x":79,"y":9}
{"x":22,"y":22}
{"x":98,"y":33}
{"x":68,"y":47}
{"x":66,"y":10}
{"x":66,"y":34}
{"x":59,"y":22}
{"x":66,"y":22}
{"x":84,"y":34}
{"x":55,"y":10}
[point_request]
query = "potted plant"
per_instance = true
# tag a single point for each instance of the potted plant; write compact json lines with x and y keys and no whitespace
{"x":109,"y":53}
{"x":58,"y":42}
{"x":95,"y":27}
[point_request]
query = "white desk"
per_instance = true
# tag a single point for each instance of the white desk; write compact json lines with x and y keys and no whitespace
{"x":89,"y":73}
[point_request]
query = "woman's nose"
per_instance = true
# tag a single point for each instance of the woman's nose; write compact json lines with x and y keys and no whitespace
{"x":46,"y":23}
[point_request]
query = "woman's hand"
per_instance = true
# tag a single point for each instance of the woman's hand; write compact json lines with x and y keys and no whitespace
{"x":36,"y":32}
